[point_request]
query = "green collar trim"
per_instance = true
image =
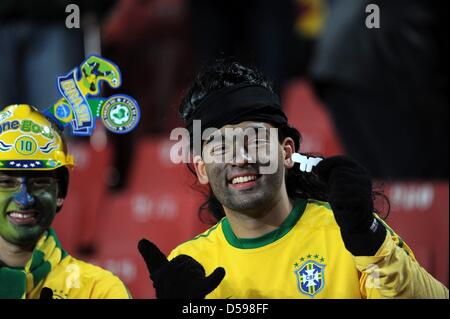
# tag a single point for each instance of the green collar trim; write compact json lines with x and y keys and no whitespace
{"x":286,"y":226}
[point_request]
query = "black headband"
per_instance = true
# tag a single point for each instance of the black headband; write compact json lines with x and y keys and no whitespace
{"x":238,"y":103}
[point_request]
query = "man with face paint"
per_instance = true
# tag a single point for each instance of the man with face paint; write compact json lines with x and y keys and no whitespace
{"x":34,"y":179}
{"x":285,"y":232}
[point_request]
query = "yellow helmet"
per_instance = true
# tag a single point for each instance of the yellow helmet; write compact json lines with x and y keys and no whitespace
{"x":30,"y":141}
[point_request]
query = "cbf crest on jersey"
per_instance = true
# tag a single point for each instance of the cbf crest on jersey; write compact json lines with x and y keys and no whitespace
{"x":310,"y":275}
{"x":80,"y":104}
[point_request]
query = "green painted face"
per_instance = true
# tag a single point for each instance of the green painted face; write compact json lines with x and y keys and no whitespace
{"x":28,"y":202}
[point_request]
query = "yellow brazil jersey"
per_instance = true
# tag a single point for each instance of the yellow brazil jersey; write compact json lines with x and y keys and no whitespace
{"x":304,"y":258}
{"x":50,"y":266}
{"x":75,"y":279}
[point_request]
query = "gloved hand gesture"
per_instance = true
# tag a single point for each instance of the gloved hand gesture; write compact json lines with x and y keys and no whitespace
{"x":181,"y":278}
{"x":349,"y":189}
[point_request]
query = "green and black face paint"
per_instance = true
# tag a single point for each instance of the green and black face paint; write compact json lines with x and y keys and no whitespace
{"x":28,"y":204}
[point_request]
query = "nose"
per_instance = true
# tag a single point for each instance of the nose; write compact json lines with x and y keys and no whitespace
{"x":242,"y":156}
{"x":22,"y":198}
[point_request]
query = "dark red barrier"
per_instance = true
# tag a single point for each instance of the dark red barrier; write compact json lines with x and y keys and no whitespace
{"x":87,"y":185}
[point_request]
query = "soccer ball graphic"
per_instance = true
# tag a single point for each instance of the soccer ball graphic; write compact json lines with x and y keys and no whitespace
{"x":119,"y":114}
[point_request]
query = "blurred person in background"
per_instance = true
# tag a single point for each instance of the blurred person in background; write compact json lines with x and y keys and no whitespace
{"x":35,"y":47}
{"x":254,"y":31}
{"x":386,"y":88}
{"x":148,"y":39}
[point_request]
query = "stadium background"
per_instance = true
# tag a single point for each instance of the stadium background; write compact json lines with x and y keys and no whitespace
{"x":125,"y":188}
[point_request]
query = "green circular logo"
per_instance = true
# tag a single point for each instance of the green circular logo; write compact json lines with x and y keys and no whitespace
{"x":25,"y":145}
{"x":120,"y":114}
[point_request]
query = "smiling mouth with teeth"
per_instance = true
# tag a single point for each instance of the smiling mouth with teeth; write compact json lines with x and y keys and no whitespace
{"x":244,"y":181}
{"x":22,"y":217}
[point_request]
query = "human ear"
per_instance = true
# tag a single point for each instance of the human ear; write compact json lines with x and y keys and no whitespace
{"x":59,"y":203}
{"x":288,"y":147}
{"x":200,"y":169}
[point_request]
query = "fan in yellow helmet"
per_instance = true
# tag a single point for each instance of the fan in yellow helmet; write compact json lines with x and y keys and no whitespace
{"x":34,"y":175}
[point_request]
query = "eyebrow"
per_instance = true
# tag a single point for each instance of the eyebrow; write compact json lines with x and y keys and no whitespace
{"x":212,"y":137}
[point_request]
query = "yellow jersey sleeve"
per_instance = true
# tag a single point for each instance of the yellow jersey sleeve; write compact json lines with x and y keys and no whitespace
{"x":395,"y":273}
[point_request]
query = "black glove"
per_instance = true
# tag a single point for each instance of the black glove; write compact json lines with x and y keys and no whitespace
{"x":349,"y":189}
{"x":46,"y":293}
{"x":181,"y":278}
